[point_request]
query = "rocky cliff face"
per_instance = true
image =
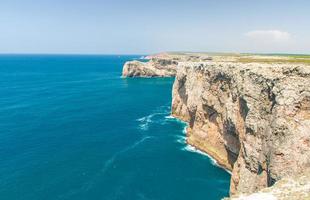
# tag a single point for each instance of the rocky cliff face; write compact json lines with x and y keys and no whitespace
{"x":254,"y":119}
{"x":159,"y":65}
{"x":154,"y":68}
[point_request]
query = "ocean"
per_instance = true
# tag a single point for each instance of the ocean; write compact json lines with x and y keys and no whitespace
{"x":72,"y":128}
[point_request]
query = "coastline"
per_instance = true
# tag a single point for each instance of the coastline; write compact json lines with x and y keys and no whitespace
{"x":221,"y":161}
{"x":212,"y":156}
{"x":234,"y":106}
{"x":213,"y":159}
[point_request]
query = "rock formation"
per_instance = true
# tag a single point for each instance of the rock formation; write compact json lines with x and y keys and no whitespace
{"x":250,"y":113}
{"x":154,"y":68}
{"x":254,"y":119}
{"x":160,"y":65}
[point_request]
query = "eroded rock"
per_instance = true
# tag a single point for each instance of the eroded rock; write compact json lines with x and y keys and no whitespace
{"x":153,"y":68}
{"x":254,"y":119}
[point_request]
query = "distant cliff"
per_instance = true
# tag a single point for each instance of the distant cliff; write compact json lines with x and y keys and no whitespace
{"x":250,"y":113}
{"x":160,"y":65}
{"x":152,"y":68}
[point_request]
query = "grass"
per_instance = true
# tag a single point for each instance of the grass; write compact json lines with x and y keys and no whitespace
{"x":291,"y":60}
{"x":252,"y":58}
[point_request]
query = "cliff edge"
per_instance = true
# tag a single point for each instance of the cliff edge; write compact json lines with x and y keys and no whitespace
{"x":289,"y":188}
{"x":159,"y":65}
{"x":254,"y":119}
{"x":152,"y":68}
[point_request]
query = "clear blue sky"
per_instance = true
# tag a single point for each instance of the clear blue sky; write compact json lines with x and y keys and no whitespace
{"x":145,"y":26}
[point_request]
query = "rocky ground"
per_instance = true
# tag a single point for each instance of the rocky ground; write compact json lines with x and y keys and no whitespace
{"x":294,"y":188}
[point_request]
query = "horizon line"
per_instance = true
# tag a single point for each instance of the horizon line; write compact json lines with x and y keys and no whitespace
{"x":145,"y":54}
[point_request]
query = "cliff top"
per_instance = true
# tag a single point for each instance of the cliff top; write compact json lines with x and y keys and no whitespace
{"x":235,"y":57}
{"x":271,"y":70}
{"x":286,"y":189}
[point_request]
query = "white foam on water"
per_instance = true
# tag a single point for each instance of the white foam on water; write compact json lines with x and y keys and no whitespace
{"x":170,"y":117}
{"x":193,"y":149}
{"x":190,"y":148}
{"x":181,"y":139}
{"x":147,"y":120}
{"x":184,"y":130}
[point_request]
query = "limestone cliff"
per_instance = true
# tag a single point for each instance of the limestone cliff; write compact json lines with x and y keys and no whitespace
{"x":159,"y":65}
{"x":254,"y":119}
{"x":153,"y":68}
{"x":249,"y":112}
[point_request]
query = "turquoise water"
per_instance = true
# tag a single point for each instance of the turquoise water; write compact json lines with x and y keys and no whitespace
{"x":71,"y":128}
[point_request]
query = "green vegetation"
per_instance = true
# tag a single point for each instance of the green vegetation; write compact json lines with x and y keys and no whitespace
{"x":241,"y":57}
{"x":293,"y":60}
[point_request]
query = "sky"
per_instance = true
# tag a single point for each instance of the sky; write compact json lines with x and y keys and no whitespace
{"x":145,"y":26}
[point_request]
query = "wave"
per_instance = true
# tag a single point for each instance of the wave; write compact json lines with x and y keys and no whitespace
{"x":147,"y":120}
{"x":184,"y":130}
{"x":172,"y":118}
{"x":181,"y":139}
{"x":165,"y":111}
{"x":193,"y":149}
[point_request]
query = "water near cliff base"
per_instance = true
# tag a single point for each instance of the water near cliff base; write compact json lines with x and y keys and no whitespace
{"x":72,"y":128}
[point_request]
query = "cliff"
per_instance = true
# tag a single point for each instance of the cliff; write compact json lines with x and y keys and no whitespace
{"x":251,"y":113}
{"x":159,"y":65}
{"x":152,"y":68}
{"x":254,"y":119}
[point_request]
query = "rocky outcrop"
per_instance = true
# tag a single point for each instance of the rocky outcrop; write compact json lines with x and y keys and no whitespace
{"x":159,"y":65}
{"x":254,"y":119}
{"x":153,"y":68}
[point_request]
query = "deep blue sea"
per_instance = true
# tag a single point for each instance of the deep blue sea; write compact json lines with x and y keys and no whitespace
{"x":72,"y":128}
